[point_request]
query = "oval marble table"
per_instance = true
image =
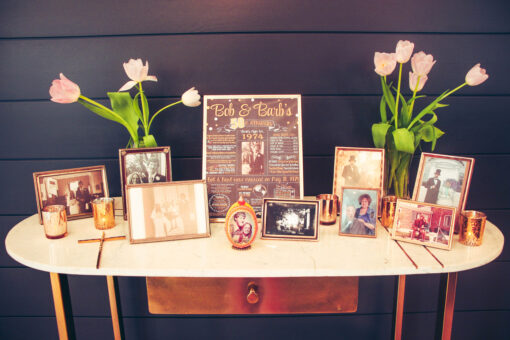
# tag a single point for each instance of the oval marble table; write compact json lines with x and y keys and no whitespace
{"x":331,"y":256}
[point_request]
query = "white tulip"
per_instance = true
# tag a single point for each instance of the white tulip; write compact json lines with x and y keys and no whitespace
{"x":191,"y":98}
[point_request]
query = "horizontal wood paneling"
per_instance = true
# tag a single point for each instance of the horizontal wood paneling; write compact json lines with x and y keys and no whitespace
{"x":22,"y":328}
{"x":6,"y":223}
{"x":328,"y":121}
{"x":243,"y":63}
{"x":60,"y":17}
{"x":486,"y":190}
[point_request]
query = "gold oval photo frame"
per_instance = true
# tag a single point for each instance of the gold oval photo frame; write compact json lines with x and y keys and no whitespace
{"x":230,"y":223}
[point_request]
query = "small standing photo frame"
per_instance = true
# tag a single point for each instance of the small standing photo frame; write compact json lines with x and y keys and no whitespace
{"x":241,"y":225}
{"x":143,"y":165}
{"x":73,"y":188}
{"x":290,"y":219}
{"x":167,"y":211}
{"x":444,"y":180}
{"x":358,"y":168}
{"x":427,"y":224}
{"x":358,"y":212}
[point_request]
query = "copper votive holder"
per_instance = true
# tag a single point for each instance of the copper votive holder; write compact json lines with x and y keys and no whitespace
{"x":329,"y":208}
{"x":472,"y":226}
{"x":102,"y":209}
{"x":55,"y":221}
{"x":388,"y":210}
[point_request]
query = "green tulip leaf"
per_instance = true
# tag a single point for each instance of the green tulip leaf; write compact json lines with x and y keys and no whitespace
{"x":136,"y":107}
{"x":122,"y":104}
{"x":149,"y":141}
{"x":379,"y":131}
{"x":404,"y":140}
{"x":100,"y":111}
{"x":430,"y":133}
{"x":382,"y":109}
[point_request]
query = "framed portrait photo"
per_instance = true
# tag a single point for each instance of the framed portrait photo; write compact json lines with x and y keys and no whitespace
{"x":443,"y":180}
{"x":241,"y":226}
{"x":290,"y":219}
{"x":358,"y":168}
{"x":74,"y":188}
{"x":427,"y":224}
{"x":167,"y":211}
{"x":143,"y":165}
{"x":358,"y":212}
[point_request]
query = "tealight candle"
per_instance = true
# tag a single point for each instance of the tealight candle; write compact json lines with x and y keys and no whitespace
{"x":472,"y":226}
{"x":103,"y":213}
{"x":55,"y":221}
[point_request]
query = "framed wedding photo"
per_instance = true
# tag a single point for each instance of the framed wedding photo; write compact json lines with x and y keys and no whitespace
{"x":167,"y":211}
{"x":359,"y":168}
{"x":427,"y":224}
{"x":143,"y":165}
{"x":73,"y":188}
{"x":443,"y":180}
{"x":290,"y":219}
{"x":358,"y":212}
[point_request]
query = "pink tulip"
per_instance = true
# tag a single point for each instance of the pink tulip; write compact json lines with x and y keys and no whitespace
{"x":404,"y":50}
{"x":385,"y":63}
{"x":476,"y":75}
{"x":413,"y":80}
{"x":64,"y":91}
{"x":191,"y":97}
{"x":422,"y":63}
{"x":137,"y":72}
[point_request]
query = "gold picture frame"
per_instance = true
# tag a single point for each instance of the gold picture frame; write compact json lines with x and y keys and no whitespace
{"x":290,"y":219}
{"x":425,"y":224}
{"x":63,"y":187}
{"x":136,"y":172}
{"x":167,"y":211}
{"x":352,"y":221}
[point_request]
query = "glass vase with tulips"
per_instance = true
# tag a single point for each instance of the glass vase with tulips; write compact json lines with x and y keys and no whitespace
{"x":401,"y":130}
{"x":132,"y":113}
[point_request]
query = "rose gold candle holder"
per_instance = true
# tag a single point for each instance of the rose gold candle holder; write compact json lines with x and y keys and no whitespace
{"x":472,"y":226}
{"x":55,"y":221}
{"x":329,"y":208}
{"x":103,"y":213}
{"x":388,"y":210}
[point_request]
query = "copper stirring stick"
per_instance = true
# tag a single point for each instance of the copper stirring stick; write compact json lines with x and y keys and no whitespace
{"x":100,"y":251}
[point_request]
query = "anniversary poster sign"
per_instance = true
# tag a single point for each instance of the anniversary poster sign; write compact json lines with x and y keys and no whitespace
{"x":252,"y":147}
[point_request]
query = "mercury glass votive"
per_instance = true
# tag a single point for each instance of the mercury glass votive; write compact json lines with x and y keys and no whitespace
{"x":389,"y":204}
{"x":329,"y":208}
{"x":55,"y":221}
{"x":102,"y":209}
{"x":472,"y":226}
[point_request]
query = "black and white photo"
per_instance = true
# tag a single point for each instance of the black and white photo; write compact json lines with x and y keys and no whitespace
{"x":290,"y":219}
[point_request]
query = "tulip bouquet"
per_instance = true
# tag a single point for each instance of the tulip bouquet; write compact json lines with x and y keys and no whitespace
{"x":125,"y":109}
{"x":401,"y":133}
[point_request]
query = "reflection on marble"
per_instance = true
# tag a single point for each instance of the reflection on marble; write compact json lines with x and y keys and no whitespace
{"x":332,"y":255}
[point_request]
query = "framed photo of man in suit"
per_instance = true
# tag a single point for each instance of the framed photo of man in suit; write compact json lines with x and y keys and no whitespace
{"x":358,"y":167}
{"x":144,"y":166}
{"x":443,"y":180}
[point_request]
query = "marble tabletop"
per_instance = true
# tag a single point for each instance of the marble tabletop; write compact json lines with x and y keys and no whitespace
{"x":332,"y":255}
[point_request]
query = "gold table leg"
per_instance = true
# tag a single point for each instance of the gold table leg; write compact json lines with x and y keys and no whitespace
{"x":448,"y":286}
{"x":61,"y":300}
{"x":115,"y":309}
{"x":398,"y":313}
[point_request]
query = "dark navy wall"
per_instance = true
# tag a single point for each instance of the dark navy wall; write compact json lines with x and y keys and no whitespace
{"x":321,"y":49}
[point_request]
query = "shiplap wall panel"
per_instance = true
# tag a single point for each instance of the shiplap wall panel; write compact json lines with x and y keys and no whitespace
{"x":328,"y":121}
{"x":64,"y":18}
{"x":328,"y":63}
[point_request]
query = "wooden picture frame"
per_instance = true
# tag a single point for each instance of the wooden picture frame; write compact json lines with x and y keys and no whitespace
{"x":136,"y":163}
{"x":63,"y":187}
{"x":352,"y":221}
{"x":349,"y":161}
{"x":252,"y":146}
{"x":453,"y":175}
{"x":290,"y":219}
{"x":422,"y":223}
{"x":167,"y":211}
